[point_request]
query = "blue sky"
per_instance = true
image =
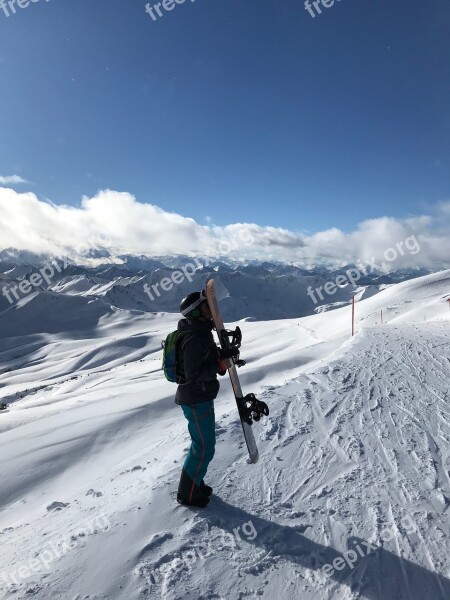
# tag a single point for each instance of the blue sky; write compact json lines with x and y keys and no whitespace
{"x":236,"y":110}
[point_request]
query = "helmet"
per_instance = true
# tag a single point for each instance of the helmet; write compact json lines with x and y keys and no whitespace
{"x":189,"y":305}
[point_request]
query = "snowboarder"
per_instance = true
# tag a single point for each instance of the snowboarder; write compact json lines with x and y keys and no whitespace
{"x":199,"y":361}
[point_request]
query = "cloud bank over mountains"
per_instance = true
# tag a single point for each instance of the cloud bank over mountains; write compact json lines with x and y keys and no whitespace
{"x":117,"y":222}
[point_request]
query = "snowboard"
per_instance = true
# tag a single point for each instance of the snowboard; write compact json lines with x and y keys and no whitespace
{"x":249,"y":407}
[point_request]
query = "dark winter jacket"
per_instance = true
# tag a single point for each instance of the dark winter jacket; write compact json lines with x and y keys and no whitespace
{"x":197,"y":363}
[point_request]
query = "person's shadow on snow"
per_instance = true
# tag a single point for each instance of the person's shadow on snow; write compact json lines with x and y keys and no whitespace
{"x":372,"y":572}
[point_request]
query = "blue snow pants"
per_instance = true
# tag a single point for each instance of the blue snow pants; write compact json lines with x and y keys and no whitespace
{"x":202,"y":429}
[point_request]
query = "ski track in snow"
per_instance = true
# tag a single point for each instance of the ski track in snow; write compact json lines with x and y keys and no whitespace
{"x":354,"y":456}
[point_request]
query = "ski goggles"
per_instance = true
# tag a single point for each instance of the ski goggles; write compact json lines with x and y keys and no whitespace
{"x":190,"y":308}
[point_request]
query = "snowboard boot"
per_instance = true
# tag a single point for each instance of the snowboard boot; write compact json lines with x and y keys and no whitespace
{"x":190,"y":494}
{"x":206,"y":489}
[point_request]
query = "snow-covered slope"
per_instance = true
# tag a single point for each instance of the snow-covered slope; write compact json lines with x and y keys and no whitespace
{"x":354,"y":459}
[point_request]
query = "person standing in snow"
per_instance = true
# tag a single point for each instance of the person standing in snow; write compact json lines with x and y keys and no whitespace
{"x":199,"y":361}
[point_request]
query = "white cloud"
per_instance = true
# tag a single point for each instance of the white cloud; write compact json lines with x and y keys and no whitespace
{"x":444,"y":208}
{"x":11,"y":179}
{"x":117,"y":222}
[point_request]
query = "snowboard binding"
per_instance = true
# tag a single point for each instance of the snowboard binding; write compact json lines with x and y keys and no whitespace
{"x":231,"y":339}
{"x":251,"y":409}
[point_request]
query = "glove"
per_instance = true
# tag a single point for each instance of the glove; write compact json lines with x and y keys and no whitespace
{"x":231,"y":352}
{"x":223,"y":366}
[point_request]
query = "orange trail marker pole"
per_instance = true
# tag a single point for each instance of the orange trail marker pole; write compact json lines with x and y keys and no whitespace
{"x":353,"y":316}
